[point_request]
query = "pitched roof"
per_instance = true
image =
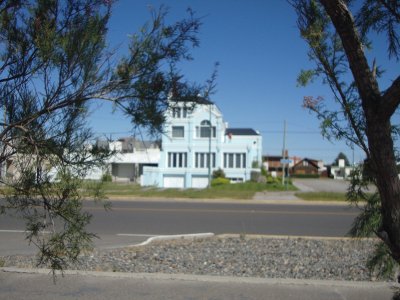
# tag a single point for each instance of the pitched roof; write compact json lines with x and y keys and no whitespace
{"x":241,"y":131}
{"x":313,"y":162}
{"x":197,"y":99}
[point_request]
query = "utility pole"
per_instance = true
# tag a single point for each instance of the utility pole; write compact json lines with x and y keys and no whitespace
{"x":209,"y":150}
{"x":284,"y":152}
{"x":3,"y":164}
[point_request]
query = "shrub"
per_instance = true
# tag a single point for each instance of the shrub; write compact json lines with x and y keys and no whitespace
{"x":254,"y":176}
{"x":218,"y":173}
{"x":271,"y":179}
{"x":106,"y":177}
{"x":219,"y":181}
{"x":255,"y":164}
{"x":264,"y":171}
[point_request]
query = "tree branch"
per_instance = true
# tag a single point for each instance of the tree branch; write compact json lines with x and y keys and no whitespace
{"x":391,"y":98}
{"x":364,"y":79}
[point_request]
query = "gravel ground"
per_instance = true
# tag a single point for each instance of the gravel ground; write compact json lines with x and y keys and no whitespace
{"x":339,"y":259}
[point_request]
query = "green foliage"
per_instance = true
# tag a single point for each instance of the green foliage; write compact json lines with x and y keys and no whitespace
{"x":322,"y":196}
{"x":369,"y":222}
{"x":219,"y":181}
{"x":271,"y":180}
{"x":106,"y":177}
{"x":305,"y":77}
{"x":149,"y":74}
{"x":255,"y":164}
{"x":264,"y":171}
{"x":381,"y":262}
{"x":55,"y":62}
{"x":219,"y":173}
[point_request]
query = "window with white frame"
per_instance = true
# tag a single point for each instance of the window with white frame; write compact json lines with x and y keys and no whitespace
{"x":177,"y":159}
{"x":179,"y":112}
{"x":184,"y":112}
{"x":178,"y":131}
{"x":203,"y":131}
{"x":235,"y":160}
{"x":176,"y":112}
{"x":202,"y":160}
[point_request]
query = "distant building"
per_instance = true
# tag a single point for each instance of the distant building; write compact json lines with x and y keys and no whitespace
{"x":273,"y":165}
{"x":131,"y":157}
{"x":307,"y":166}
{"x":341,"y":171}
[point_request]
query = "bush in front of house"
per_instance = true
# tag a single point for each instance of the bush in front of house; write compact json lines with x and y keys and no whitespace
{"x":218,"y":173}
{"x":220,"y":181}
{"x":271,"y":179}
{"x":106,"y":177}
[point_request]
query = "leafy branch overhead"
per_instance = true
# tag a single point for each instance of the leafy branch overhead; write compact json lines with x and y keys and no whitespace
{"x":149,"y":77}
{"x":53,"y":64}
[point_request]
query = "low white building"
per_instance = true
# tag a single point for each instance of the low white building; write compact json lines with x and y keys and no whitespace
{"x":131,"y":157}
{"x":341,"y":171}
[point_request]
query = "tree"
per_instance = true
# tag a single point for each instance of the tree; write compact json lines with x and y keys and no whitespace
{"x":53,"y":64}
{"x":337,"y":44}
{"x":343,"y":156}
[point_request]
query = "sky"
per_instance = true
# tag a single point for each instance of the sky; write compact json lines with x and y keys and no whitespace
{"x":260,"y":53}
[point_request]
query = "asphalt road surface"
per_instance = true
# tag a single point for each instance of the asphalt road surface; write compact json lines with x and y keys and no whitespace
{"x":131,"y":222}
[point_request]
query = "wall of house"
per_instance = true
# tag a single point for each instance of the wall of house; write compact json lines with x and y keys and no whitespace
{"x":305,"y":170}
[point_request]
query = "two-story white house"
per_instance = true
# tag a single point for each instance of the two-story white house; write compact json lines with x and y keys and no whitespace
{"x":193,"y":137}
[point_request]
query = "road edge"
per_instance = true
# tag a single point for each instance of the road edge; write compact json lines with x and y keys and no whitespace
{"x":208,"y":278}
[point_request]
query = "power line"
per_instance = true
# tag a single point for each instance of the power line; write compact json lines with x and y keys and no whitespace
{"x":290,"y":132}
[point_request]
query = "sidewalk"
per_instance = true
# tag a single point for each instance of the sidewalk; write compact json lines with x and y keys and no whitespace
{"x":24,"y":284}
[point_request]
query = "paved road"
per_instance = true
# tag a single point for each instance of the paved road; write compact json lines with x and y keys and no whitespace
{"x":324,"y":185}
{"x":131,"y":222}
{"x":176,"y":287}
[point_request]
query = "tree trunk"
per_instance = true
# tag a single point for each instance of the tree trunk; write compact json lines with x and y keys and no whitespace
{"x":377,"y":114}
{"x":384,"y":167}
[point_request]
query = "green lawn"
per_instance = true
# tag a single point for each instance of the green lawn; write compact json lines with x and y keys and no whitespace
{"x":232,"y":191}
{"x":322,"y":196}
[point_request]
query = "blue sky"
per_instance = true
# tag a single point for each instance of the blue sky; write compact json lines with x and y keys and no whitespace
{"x":260,"y":53}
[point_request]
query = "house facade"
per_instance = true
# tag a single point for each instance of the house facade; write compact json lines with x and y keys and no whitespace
{"x":131,"y":157}
{"x":341,"y":171}
{"x":307,"y":166}
{"x":196,"y":136}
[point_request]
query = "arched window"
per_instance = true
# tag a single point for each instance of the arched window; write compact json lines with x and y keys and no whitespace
{"x":203,"y":131}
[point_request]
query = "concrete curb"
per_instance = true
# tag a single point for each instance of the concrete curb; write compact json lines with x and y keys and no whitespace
{"x":294,"y":237}
{"x":208,"y":278}
{"x":174,"y":237}
{"x":230,"y":201}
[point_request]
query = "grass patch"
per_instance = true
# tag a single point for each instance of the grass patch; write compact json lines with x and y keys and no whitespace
{"x":322,"y":196}
{"x":325,"y":196}
{"x":244,"y":190}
